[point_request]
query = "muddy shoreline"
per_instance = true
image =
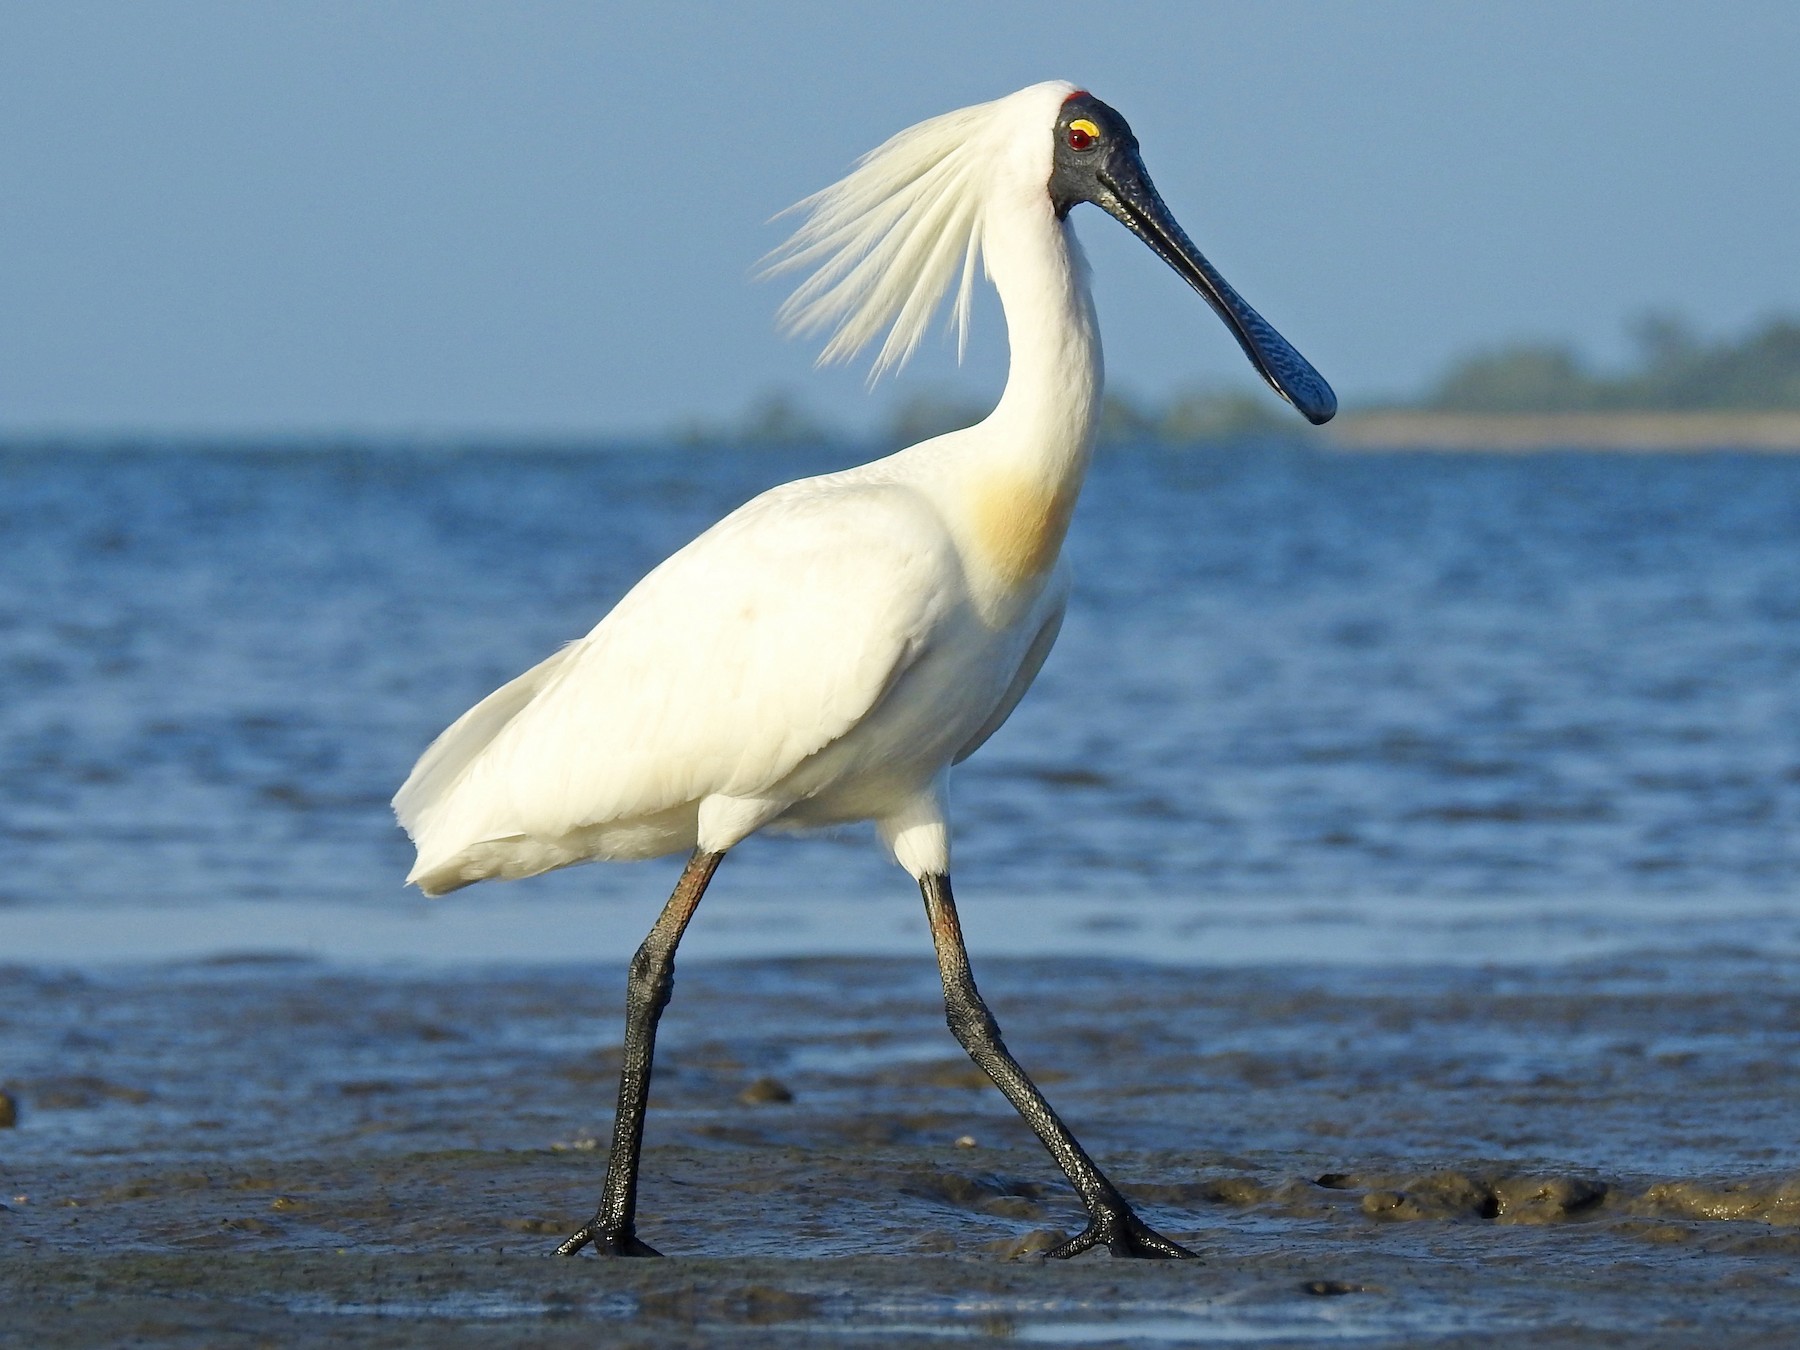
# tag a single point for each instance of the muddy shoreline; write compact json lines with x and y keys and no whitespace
{"x":280,"y":1152}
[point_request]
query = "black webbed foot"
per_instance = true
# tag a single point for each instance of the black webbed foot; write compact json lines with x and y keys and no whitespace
{"x":1123,"y":1234}
{"x":604,"y":1243}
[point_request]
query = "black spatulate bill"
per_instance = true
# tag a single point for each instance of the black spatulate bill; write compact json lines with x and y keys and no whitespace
{"x":1097,"y":161}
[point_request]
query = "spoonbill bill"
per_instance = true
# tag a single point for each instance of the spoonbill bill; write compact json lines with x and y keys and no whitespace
{"x":829,"y":650}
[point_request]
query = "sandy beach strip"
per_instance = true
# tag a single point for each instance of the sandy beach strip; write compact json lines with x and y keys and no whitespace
{"x":1770,"y":432}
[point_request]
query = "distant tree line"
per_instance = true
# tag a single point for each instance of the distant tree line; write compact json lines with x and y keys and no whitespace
{"x":1675,"y":370}
{"x":1191,"y":417}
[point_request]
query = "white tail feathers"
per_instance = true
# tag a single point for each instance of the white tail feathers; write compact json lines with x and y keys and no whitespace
{"x":425,"y":798}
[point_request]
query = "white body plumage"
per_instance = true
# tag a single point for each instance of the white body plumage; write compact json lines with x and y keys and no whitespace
{"x":827,"y":651}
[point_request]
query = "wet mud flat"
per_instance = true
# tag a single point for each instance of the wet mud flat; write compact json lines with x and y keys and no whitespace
{"x":282,"y":1152}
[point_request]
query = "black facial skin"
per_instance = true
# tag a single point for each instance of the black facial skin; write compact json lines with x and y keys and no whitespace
{"x":1110,"y":174}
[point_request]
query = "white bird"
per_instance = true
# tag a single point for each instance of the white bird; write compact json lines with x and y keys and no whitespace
{"x":829,"y":650}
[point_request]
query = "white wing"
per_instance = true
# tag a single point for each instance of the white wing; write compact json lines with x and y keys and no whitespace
{"x":764,"y":640}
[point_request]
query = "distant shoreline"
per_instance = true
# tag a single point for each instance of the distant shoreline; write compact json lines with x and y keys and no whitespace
{"x":1686,"y":432}
{"x":1372,"y":431}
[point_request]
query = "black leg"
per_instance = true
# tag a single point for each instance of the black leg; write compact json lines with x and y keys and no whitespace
{"x":1112,"y":1222}
{"x":613,"y":1229}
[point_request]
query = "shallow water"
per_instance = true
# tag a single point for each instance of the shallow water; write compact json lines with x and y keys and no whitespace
{"x":1285,"y":675}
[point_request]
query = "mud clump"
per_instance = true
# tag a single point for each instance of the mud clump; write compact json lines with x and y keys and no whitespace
{"x":1242,"y":1192}
{"x":991,"y":1193}
{"x":1436,"y":1195}
{"x":943,"y":1073}
{"x":1337,"y":1288}
{"x":766,"y":1092}
{"x":1027,"y":1245}
{"x":1541,"y":1198}
{"x":1550,"y":1199}
{"x":1294,"y":1197}
{"x":1451,"y":1195}
{"x":1776,"y":1202}
{"x":546,"y":1227}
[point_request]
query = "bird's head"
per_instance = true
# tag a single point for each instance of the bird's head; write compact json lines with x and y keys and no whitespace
{"x":911,"y":223}
{"x":1096,"y":160}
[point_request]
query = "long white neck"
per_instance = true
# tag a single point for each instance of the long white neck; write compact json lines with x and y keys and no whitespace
{"x":1011,"y":481}
{"x":1047,"y":415}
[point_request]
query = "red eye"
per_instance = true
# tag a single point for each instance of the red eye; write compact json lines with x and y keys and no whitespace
{"x":1079,"y":139}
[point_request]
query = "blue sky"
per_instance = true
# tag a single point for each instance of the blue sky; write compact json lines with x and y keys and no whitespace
{"x":541,"y":218}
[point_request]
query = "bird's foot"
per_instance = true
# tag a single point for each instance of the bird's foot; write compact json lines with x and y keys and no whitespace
{"x":1122,"y":1233}
{"x":606,"y":1242}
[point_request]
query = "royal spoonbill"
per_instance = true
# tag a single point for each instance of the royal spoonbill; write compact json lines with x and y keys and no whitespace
{"x":829,"y":650}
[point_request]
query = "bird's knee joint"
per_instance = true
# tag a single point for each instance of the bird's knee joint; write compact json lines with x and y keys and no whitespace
{"x":972,"y":1026}
{"x":651,"y":978}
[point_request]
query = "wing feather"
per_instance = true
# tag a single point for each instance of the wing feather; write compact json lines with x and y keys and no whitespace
{"x":766,"y":639}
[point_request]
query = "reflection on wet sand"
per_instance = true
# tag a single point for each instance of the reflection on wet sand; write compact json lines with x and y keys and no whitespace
{"x":1359,"y":1153}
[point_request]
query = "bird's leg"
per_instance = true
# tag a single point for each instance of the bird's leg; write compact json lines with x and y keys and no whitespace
{"x":613,"y":1229}
{"x":1112,"y":1223}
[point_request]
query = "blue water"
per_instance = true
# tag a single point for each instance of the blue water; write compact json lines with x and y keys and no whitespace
{"x":1291,"y":677}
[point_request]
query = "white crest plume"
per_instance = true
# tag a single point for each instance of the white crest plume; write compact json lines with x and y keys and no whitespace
{"x":887,"y":239}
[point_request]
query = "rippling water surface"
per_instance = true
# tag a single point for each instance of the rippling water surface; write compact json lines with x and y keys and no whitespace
{"x":1322,"y":681}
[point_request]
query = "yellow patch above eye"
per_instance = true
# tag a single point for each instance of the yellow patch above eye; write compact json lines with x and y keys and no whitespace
{"x":1083,"y":125}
